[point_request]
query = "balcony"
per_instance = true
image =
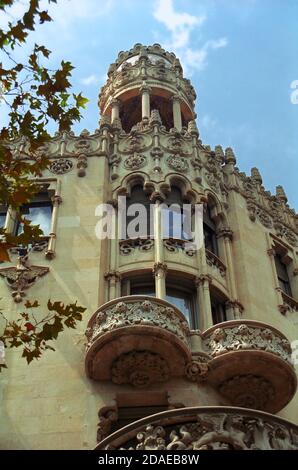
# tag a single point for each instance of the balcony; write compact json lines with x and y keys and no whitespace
{"x":205,"y":428}
{"x":137,"y":340}
{"x":251,"y":364}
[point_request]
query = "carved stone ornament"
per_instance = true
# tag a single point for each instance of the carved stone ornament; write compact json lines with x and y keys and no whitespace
{"x":61,"y":166}
{"x":175,"y":245}
{"x":213,"y":429}
{"x":19,"y":278}
{"x":134,"y":162}
{"x":247,"y":391}
{"x":178,"y":163}
{"x":244,"y":337}
{"x":140,"y":368}
{"x":107,"y":416}
{"x":138,"y":313}
{"x":126,"y":247}
{"x":196,"y":370}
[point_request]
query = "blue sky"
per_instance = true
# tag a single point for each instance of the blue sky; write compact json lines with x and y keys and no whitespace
{"x":241,"y":56}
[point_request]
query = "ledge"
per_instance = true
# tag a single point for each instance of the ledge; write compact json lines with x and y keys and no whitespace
{"x":205,"y":428}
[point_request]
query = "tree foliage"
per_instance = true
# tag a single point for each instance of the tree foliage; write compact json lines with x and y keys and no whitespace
{"x":34,"y":96}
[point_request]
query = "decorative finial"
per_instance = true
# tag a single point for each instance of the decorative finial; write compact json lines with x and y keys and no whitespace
{"x":256,"y":175}
{"x":230,"y":156}
{"x":219,"y":153}
{"x":192,"y":128}
{"x":280,"y":193}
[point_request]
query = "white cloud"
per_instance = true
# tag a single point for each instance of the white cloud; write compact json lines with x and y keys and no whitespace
{"x":208,"y":122}
{"x":180,"y":26}
{"x":90,"y":80}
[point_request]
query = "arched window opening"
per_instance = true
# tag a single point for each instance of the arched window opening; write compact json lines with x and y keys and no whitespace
{"x":131,"y":113}
{"x":165,"y":108}
{"x":218,"y":306}
{"x":176,"y":220}
{"x":139,"y":220}
{"x":209,"y":228}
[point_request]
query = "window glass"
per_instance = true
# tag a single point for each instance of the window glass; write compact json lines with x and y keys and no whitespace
{"x":140,"y":289}
{"x":2,"y":219}
{"x":282,"y":274}
{"x":39,"y":213}
{"x":183,"y":301}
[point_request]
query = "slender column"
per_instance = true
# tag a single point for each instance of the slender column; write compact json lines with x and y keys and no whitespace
{"x":177,"y":118}
{"x":115,"y":109}
{"x":145,"y":91}
{"x":203,"y":294}
{"x":160,"y":268}
{"x":113,"y":278}
{"x":56,"y":201}
{"x":10,"y":220}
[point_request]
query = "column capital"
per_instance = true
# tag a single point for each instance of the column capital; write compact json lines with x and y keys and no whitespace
{"x":56,"y":200}
{"x":145,"y":88}
{"x":176,"y":97}
{"x":112,"y":276}
{"x":226,"y":233}
{"x":115,"y":102}
{"x":271,"y":252}
{"x":203,"y":279}
{"x":159,"y":268}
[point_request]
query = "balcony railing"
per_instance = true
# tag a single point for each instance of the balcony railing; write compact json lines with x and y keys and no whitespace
{"x":206,"y":428}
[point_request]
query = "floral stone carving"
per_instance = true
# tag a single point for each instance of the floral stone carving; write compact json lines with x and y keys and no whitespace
{"x":215,"y":428}
{"x":61,"y":166}
{"x":251,"y":364}
{"x":140,"y":368}
{"x":248,"y":391}
{"x":178,"y":163}
{"x":137,"y":330}
{"x":135,"y":161}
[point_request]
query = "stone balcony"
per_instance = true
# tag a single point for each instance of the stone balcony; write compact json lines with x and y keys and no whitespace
{"x":140,"y":340}
{"x":206,"y":428}
{"x":251,"y":364}
{"x":137,"y":340}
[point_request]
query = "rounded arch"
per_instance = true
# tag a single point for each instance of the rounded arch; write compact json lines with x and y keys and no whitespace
{"x":134,"y":179}
{"x":190,"y":194}
{"x":215,"y":206}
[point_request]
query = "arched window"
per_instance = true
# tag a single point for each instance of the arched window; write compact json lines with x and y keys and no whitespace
{"x":139,"y":223}
{"x":218,"y":306}
{"x":176,"y":221}
{"x":209,"y":228}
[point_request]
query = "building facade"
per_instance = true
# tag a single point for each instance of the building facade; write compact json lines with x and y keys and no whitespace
{"x":187,"y":348}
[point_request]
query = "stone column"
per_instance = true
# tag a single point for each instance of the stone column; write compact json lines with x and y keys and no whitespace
{"x":10,"y":220}
{"x":177,"y":118}
{"x":203,"y":294}
{"x":160,"y":268}
{"x":145,"y":92}
{"x":56,"y":201}
{"x":113,"y":278}
{"x":115,"y":109}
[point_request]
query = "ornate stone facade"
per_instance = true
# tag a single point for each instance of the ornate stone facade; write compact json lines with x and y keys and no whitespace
{"x":227,"y":338}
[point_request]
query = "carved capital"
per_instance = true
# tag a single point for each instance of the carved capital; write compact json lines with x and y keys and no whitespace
{"x":112,"y":276}
{"x":203,"y":279}
{"x":225,"y":233}
{"x":159,"y":268}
